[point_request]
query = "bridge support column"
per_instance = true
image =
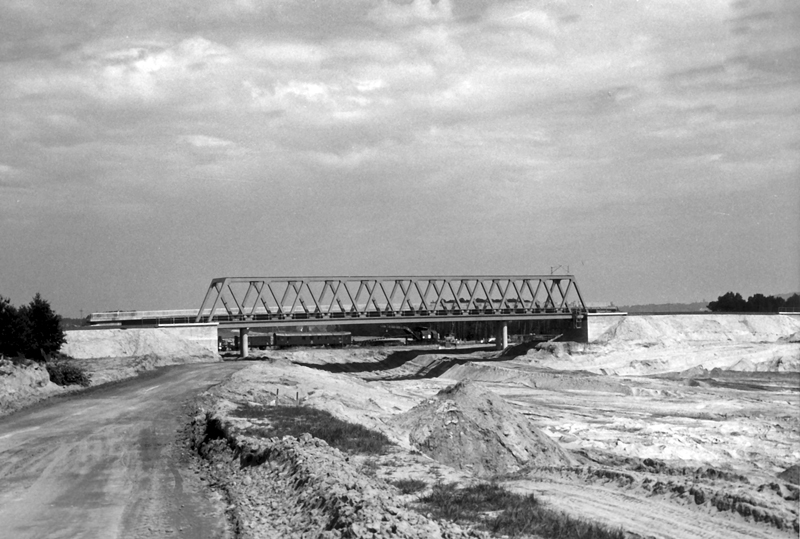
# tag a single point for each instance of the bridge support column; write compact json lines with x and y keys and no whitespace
{"x":501,"y":339}
{"x":243,"y":341}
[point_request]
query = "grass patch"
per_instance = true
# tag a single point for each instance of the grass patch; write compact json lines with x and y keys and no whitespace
{"x":297,"y":420}
{"x":518,"y":514}
{"x":409,"y":486}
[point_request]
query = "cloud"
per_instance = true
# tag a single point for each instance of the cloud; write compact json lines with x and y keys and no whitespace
{"x":283,"y":53}
{"x":491,"y":119}
{"x":203,"y":141}
{"x":397,"y":13}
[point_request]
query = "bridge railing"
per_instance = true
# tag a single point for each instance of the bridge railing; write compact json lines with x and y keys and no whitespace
{"x":106,"y":317}
{"x":264,"y":299}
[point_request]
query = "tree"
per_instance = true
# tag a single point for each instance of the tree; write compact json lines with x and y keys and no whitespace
{"x":44,"y":334}
{"x":729,"y":302}
{"x":12,"y":329}
{"x":757,"y":303}
{"x":793,"y":303}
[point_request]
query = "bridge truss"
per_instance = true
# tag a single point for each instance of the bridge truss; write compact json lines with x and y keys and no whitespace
{"x":244,"y":302}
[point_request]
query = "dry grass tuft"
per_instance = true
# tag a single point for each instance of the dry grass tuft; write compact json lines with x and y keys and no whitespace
{"x":518,"y":514}
{"x":409,"y":486}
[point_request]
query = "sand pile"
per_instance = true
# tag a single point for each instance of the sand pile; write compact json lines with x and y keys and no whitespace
{"x":278,"y":381}
{"x":152,"y":342}
{"x":647,"y":345}
{"x":482,"y":372}
{"x":114,"y":354}
{"x":626,"y":359}
{"x":701,"y":328}
{"x":794,"y":337}
{"x":782,"y":363}
{"x":791,"y":474}
{"x":470,"y":428}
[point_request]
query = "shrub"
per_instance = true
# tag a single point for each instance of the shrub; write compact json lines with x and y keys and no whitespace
{"x":63,"y":373}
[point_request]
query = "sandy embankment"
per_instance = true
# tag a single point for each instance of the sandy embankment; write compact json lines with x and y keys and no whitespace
{"x":647,"y":345}
{"x":107,"y":355}
{"x":21,"y":385}
{"x":113,"y":354}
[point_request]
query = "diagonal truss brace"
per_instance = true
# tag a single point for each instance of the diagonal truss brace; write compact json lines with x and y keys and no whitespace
{"x":338,"y":299}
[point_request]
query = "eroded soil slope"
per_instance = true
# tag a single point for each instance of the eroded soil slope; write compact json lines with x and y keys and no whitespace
{"x":106,"y":355}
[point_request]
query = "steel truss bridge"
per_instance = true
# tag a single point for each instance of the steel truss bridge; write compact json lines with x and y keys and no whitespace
{"x":247,"y":302}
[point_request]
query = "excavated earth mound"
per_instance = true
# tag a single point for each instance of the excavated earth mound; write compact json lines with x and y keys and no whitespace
{"x":301,"y":487}
{"x":701,"y":328}
{"x":650,"y":345}
{"x":791,"y":474}
{"x":794,"y":337}
{"x":23,"y":384}
{"x":470,"y":428}
{"x":93,"y":344}
{"x":113,"y":354}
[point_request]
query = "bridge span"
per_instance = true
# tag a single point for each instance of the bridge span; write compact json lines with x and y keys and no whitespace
{"x":252,"y":302}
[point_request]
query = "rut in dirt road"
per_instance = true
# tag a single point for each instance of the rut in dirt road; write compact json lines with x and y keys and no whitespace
{"x":108,"y":463}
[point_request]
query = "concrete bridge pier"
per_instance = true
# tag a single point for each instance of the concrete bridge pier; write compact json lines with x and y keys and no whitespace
{"x":243,"y":342}
{"x":501,"y":338}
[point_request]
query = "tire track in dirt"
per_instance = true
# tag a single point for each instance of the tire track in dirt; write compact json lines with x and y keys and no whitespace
{"x":647,"y":517}
{"x":109,"y":463}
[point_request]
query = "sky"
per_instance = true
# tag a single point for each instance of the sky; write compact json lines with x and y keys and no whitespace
{"x":650,"y":147}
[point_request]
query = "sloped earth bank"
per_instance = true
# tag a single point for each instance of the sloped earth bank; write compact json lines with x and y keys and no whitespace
{"x":135,"y":342}
{"x":106,"y":355}
{"x":114,"y":354}
{"x":24,"y":384}
{"x":304,"y":488}
{"x":686,"y":448}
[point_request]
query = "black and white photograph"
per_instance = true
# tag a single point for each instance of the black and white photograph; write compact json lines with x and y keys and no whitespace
{"x":400,"y":268}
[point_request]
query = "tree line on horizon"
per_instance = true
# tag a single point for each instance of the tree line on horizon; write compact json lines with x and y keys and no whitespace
{"x":757,"y":303}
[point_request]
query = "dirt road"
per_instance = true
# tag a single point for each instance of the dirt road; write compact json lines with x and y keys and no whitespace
{"x":107,"y":463}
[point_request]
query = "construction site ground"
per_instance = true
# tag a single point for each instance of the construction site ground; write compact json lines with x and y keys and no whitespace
{"x":666,"y":427}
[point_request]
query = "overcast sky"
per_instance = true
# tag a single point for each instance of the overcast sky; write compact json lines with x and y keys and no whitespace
{"x":149,"y":146}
